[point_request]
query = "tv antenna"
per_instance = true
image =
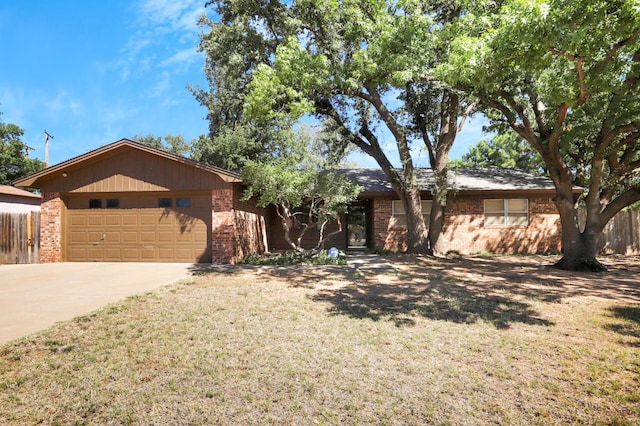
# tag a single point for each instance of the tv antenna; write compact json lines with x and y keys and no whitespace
{"x":47,"y":136}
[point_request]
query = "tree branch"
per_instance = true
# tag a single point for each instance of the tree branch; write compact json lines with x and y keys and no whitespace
{"x":628,"y":197}
{"x":466,"y":114}
{"x":373,"y":97}
{"x":527,"y":132}
{"x":579,"y":60}
{"x":614,"y":49}
{"x":632,"y":80}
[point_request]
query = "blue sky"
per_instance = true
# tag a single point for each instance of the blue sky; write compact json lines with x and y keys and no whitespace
{"x":91,"y":72}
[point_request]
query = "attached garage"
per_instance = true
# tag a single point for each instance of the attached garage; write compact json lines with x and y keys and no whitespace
{"x":128,"y":202}
{"x":150,"y":228}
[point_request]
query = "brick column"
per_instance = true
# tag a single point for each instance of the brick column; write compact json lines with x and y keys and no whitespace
{"x":380,"y":222}
{"x":51,"y":228}
{"x":223,"y":229}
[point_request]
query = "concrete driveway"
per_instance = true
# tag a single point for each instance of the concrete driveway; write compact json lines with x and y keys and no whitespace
{"x":34,"y":297}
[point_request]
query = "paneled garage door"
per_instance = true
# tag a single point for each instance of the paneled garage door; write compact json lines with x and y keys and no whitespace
{"x":116,"y":228}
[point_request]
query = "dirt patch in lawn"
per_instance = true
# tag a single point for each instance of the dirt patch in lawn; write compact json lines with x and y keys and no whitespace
{"x":488,"y":340}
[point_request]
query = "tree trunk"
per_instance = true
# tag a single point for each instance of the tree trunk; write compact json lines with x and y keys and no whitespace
{"x":440,"y":191}
{"x":417,"y":241}
{"x":284,"y":214}
{"x":579,"y":249}
{"x":580,"y":254}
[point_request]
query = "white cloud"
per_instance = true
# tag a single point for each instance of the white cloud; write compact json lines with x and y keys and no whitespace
{"x":133,"y":58}
{"x":163,"y":89}
{"x":171,"y":15}
{"x":184,"y":58}
{"x":166,"y":35}
{"x":162,"y":85}
{"x":63,"y":104}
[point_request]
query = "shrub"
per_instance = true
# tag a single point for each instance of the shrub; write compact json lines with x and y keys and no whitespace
{"x":321,"y":257}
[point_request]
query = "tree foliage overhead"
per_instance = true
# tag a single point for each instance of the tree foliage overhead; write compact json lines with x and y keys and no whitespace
{"x":564,"y":76}
{"x":358,"y":66}
{"x":244,"y":34}
{"x":503,"y":150}
{"x":14,"y":161}
{"x":174,"y":144}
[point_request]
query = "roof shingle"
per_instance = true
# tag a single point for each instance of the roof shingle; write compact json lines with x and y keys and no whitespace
{"x":462,"y":179}
{"x":10,"y":190}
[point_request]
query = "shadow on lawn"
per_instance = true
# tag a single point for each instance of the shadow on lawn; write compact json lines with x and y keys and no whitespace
{"x":628,"y":328}
{"x":401,"y":302}
{"x":491,"y":289}
{"x":529,"y":276}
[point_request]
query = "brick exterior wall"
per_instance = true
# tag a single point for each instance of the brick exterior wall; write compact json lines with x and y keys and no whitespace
{"x":464,"y":229}
{"x":51,"y":228}
{"x":223,"y":226}
{"x":238,"y":228}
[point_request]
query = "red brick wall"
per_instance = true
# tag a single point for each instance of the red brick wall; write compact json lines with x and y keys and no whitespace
{"x":238,"y":227}
{"x":465,"y":231}
{"x":51,"y":228}
{"x":385,"y":236}
{"x":223,"y":229}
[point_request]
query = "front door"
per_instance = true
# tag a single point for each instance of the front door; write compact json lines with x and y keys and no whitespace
{"x":357,"y":225}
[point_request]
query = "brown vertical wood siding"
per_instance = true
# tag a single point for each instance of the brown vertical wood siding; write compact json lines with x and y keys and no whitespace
{"x":277,"y":241}
{"x":130,"y":170}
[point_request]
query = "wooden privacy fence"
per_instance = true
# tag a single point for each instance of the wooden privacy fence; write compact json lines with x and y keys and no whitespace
{"x":19,"y":237}
{"x":621,"y":235}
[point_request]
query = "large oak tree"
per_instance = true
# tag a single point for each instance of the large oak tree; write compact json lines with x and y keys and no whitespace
{"x":564,"y":76}
{"x":359,"y":66}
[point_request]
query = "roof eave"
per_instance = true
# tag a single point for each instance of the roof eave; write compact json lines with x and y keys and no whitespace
{"x":373,"y":194}
{"x":31,"y":180}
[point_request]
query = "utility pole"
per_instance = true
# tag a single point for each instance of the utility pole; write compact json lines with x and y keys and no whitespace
{"x":27,"y":148}
{"x":47,"y":136}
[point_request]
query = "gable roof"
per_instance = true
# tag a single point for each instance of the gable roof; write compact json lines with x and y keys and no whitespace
{"x":31,"y":180}
{"x":462,"y":179}
{"x":10,"y":190}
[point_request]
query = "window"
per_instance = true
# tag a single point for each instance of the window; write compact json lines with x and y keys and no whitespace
{"x":399,"y":216}
{"x":165,"y":202}
{"x":95,"y":203}
{"x":513,"y":212}
{"x":183,"y":202}
{"x":113,"y":203}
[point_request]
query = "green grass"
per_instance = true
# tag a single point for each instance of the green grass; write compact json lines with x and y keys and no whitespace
{"x":484,"y":341}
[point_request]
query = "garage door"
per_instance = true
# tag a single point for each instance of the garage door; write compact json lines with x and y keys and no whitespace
{"x":116,"y":228}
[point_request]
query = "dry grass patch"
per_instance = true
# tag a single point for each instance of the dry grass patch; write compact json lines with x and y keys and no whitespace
{"x":478,"y":341}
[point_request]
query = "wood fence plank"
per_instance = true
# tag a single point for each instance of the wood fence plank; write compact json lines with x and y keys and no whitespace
{"x":19,"y":237}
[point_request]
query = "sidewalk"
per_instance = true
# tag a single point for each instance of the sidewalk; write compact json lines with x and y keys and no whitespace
{"x":367,"y":261}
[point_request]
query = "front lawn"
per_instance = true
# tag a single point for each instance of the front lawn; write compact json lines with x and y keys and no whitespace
{"x":492,"y":340}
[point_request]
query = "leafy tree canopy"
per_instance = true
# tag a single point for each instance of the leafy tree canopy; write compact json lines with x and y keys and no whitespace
{"x":174,"y":144}
{"x":503,"y":150}
{"x":564,"y":76}
{"x":14,"y":161}
{"x":358,"y":66}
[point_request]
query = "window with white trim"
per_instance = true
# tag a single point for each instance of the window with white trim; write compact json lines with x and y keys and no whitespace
{"x":399,"y":215}
{"x":506,"y":212}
